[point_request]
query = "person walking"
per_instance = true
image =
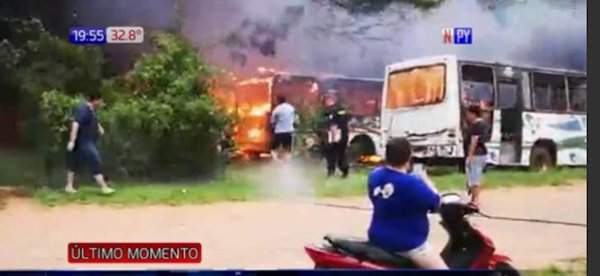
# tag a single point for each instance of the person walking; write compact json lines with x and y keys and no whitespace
{"x":282,"y":119}
{"x":334,"y":134}
{"x":475,"y":151}
{"x":81,"y":148}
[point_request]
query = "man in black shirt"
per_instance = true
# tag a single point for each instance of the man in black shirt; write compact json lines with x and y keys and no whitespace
{"x":334,"y":134}
{"x":85,"y":131}
{"x":475,"y":150}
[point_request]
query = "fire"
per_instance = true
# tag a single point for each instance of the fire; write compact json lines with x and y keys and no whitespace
{"x":259,"y":110}
{"x":314,"y":88}
{"x":370,"y":159}
{"x":253,"y":81}
{"x":254,"y":133}
{"x":250,"y":101}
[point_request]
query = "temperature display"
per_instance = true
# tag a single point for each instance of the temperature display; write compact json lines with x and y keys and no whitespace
{"x":126,"y":34}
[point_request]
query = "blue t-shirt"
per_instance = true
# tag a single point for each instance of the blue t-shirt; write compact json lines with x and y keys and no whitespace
{"x":400,"y":206}
{"x":88,"y":124}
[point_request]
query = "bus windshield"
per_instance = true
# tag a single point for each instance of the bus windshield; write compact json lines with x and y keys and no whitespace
{"x":362,"y":97}
{"x":416,"y":87}
{"x":298,"y":90}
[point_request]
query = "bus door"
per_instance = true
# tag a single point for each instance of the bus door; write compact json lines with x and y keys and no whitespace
{"x":509,"y":110}
{"x":477,"y":88}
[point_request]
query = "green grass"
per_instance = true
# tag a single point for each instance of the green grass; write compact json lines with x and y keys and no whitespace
{"x":575,"y":267}
{"x":355,"y":185}
{"x":146,"y":194}
{"x":18,"y":168}
{"x":242,"y":185}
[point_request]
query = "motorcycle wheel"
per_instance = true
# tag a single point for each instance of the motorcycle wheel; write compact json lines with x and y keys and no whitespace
{"x":505,"y":269}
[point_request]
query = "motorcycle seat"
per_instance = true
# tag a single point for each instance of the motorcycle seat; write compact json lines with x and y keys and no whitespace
{"x":365,"y":251}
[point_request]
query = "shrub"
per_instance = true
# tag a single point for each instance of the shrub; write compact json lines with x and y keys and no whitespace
{"x":160,"y":121}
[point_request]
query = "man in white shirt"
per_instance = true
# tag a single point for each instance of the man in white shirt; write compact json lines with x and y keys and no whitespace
{"x":282,"y":119}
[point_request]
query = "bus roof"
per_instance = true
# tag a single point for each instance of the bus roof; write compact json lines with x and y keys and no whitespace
{"x":328,"y":77}
{"x":434,"y":59}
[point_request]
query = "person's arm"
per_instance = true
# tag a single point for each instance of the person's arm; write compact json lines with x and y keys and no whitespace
{"x":100,"y":129}
{"x":427,"y":194}
{"x":274,"y":116}
{"x":296,"y":119}
{"x":478,"y":130}
{"x":343,"y":118}
{"x":322,"y":127}
{"x":82,"y":117}
{"x":73,"y":135}
{"x":472,"y":147}
{"x":428,"y":181}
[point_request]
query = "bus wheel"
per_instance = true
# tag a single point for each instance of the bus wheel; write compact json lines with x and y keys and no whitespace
{"x":540,"y":159}
{"x":360,"y":146}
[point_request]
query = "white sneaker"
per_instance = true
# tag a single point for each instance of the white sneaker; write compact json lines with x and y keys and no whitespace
{"x":107,"y":190}
{"x":70,"y":190}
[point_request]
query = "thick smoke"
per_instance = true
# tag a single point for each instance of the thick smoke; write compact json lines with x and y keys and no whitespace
{"x":306,"y":36}
{"x":311,"y":37}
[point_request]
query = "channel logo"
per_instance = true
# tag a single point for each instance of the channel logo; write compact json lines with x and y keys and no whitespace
{"x":457,"y":35}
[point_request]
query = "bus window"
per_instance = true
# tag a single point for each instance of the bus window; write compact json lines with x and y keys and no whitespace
{"x":508,"y":94}
{"x":300,"y":91}
{"x":477,"y":86}
{"x":578,"y":94}
{"x":416,"y":87}
{"x":361,"y":97}
{"x":549,"y":92}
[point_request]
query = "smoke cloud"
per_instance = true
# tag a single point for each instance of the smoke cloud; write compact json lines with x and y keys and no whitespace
{"x":287,"y":180}
{"x":308,"y":36}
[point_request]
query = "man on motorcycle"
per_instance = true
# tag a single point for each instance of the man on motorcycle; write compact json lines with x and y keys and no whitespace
{"x":401,"y":202}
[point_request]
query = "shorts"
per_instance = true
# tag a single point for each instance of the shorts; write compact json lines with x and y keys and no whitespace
{"x":474,"y":170}
{"x":84,"y":154}
{"x":415,"y":252}
{"x":283,"y":140}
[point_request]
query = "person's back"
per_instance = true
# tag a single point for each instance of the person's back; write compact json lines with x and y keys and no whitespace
{"x":284,"y":116}
{"x":88,"y":131}
{"x":401,"y":202}
{"x":282,"y":120}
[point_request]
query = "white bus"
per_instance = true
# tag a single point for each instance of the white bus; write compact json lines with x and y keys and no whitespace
{"x":537,"y":115}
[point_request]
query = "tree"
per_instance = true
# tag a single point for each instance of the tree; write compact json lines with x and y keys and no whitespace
{"x":33,"y":61}
{"x":375,"y":6}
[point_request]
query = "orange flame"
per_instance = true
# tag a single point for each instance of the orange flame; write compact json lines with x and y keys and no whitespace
{"x":370,"y":159}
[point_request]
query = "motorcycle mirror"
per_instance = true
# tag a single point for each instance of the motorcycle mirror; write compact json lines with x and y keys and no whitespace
{"x":451,"y":198}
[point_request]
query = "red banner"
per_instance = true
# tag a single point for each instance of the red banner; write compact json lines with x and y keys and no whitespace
{"x":180,"y":253}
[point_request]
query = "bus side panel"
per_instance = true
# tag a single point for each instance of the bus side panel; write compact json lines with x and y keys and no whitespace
{"x":493,"y":145}
{"x":567,"y":131}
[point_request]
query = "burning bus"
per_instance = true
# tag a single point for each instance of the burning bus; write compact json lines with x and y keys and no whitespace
{"x":255,"y":98}
{"x":362,"y":98}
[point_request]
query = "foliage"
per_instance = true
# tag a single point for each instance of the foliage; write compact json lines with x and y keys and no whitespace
{"x":159,"y":118}
{"x":168,"y":124}
{"x":33,"y":61}
{"x":375,"y":6}
{"x":56,"y":114}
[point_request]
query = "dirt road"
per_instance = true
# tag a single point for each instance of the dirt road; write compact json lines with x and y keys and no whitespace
{"x":271,"y":234}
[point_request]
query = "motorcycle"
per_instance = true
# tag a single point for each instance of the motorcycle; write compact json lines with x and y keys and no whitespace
{"x":467,"y":247}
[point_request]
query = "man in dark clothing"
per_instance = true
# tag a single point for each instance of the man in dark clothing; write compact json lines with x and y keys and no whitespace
{"x":334,"y":135}
{"x":475,"y":150}
{"x":85,"y":131}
